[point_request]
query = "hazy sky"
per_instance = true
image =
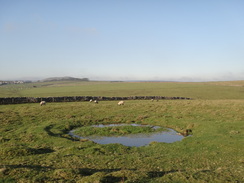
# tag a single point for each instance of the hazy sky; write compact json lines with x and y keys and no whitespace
{"x":185,"y":40}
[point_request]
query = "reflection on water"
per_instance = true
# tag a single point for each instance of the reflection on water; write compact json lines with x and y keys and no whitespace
{"x":134,"y":139}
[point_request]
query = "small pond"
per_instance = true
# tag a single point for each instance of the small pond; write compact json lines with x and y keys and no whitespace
{"x":137,"y":140}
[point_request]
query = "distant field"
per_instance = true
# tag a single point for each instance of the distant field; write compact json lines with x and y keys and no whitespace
{"x":196,"y":90}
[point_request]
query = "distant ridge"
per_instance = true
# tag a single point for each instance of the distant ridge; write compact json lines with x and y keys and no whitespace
{"x":66,"y":78}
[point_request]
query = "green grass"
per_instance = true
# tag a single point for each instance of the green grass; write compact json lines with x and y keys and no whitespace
{"x":35,"y":145}
{"x":115,"y":130}
{"x":204,"y":90}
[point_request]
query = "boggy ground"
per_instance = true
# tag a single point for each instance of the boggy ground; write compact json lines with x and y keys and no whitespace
{"x":35,"y":147}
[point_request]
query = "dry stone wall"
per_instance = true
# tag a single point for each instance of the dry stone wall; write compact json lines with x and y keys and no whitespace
{"x":22,"y":100}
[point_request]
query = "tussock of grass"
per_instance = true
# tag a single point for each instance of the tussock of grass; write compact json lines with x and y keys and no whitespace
{"x":115,"y":130}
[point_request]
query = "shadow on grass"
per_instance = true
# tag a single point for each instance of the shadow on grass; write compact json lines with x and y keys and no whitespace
{"x":43,"y":151}
{"x":84,"y":172}
{"x":155,"y":174}
{"x":107,"y":178}
{"x":62,"y":135}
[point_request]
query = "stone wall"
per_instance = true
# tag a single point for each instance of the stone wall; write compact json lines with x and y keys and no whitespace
{"x":21,"y":100}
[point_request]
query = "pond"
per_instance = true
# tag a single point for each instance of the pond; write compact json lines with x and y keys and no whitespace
{"x":137,"y":140}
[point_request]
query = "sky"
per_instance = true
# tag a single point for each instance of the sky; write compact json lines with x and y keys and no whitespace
{"x":166,"y":40}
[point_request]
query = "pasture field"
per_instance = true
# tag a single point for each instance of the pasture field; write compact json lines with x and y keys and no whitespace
{"x":35,"y":145}
{"x":201,"y":90}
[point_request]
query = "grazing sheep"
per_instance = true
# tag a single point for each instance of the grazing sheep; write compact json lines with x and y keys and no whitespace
{"x":152,"y":99}
{"x":121,"y":103}
{"x":91,"y":100}
{"x":95,"y":101}
{"x":42,"y":103}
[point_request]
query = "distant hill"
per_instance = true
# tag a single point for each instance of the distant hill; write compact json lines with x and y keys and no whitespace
{"x":66,"y":78}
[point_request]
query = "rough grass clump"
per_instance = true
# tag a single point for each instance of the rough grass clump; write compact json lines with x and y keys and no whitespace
{"x":115,"y":130}
{"x":21,"y":150}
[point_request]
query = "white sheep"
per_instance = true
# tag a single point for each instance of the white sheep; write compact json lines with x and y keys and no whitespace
{"x":91,"y":100}
{"x":121,"y":103}
{"x":42,"y":103}
{"x":95,"y":101}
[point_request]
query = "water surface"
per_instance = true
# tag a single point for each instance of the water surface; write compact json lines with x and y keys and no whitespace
{"x":137,"y":140}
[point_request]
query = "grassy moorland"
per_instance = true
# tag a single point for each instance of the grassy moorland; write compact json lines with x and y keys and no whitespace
{"x":35,"y":147}
{"x":201,"y":90}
